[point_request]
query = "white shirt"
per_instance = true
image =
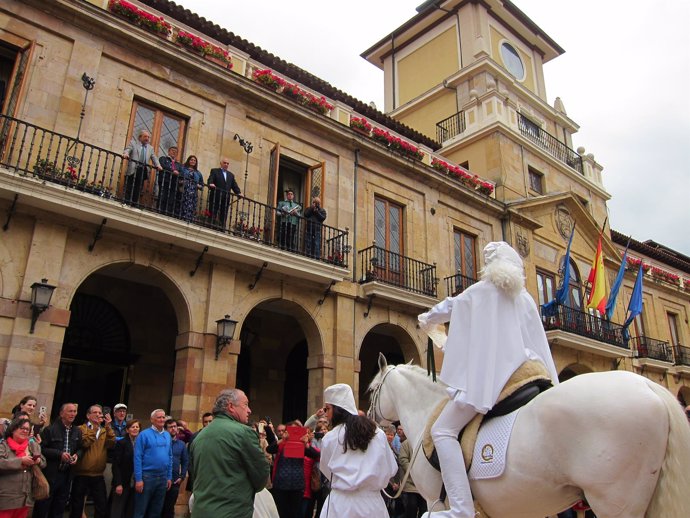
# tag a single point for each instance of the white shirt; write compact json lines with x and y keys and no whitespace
{"x":356,"y":476}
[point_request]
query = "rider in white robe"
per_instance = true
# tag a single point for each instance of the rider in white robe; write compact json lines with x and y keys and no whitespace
{"x":356,"y":476}
{"x":494,"y":328}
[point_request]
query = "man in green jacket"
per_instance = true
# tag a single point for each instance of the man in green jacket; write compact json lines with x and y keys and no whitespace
{"x":229,"y":466}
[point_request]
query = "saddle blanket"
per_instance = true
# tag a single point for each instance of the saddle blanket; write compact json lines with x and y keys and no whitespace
{"x":489,"y":457}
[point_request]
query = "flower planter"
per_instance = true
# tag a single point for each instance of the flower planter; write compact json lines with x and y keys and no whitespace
{"x":366,"y":133}
{"x":217,"y":61}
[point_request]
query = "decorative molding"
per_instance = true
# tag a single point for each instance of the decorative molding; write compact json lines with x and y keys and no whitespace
{"x":564,"y":221}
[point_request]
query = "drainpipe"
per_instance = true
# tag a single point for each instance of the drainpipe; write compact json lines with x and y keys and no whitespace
{"x":393,"y":103}
{"x":354,"y":222}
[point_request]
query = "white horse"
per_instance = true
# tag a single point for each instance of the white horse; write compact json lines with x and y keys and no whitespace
{"x":615,"y":438}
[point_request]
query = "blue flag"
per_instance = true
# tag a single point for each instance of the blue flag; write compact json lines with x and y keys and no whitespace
{"x":611,"y":303}
{"x":549,"y":309}
{"x":635,"y":305}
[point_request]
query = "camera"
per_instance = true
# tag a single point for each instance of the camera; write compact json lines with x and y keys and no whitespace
{"x":268,"y":419}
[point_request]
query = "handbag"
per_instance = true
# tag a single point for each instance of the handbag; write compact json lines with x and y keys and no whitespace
{"x":40,"y":488}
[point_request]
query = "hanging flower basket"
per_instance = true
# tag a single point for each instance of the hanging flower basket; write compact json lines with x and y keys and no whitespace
{"x":397,"y":144}
{"x":361,"y":124}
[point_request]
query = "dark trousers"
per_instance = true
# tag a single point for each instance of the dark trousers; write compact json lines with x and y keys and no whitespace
{"x":414,"y":505}
{"x":122,"y":505}
{"x":133,"y":185}
{"x":312,"y":241}
{"x":287,"y":235}
{"x":54,"y":505}
{"x":167,"y":192}
{"x":288,"y":503}
{"x":83,"y":486}
{"x":149,"y":503}
{"x":169,"y":502}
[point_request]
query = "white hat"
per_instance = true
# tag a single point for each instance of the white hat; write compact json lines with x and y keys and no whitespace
{"x":340,"y":395}
{"x":120,"y":405}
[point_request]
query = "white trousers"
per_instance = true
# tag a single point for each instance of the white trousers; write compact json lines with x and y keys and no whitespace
{"x":444,"y":433}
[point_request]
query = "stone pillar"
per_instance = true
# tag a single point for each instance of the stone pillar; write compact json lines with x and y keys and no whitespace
{"x":186,"y":391}
{"x":321,"y":375}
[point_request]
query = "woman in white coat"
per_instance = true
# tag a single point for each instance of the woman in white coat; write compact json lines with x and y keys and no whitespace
{"x":355,"y":458}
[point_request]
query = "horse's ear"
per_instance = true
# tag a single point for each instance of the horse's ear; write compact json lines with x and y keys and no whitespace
{"x":382,"y":362}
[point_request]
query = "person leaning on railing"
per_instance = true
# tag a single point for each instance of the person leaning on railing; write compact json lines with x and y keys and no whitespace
{"x":139,"y":152}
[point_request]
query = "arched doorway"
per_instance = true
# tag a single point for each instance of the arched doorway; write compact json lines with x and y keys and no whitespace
{"x":395,"y":344}
{"x":571,"y":371}
{"x":277,"y":338}
{"x":120,"y":343}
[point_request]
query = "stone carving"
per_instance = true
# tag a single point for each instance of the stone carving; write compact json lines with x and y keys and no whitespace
{"x":564,"y":222}
{"x":522,"y":242}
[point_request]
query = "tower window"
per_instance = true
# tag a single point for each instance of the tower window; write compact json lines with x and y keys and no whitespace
{"x":511,"y":60}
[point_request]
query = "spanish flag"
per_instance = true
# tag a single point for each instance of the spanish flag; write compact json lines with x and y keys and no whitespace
{"x":597,"y":282}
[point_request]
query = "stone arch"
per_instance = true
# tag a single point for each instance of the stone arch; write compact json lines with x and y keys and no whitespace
{"x":413,"y":347}
{"x":280,"y":363}
{"x":148,"y":274}
{"x":684,"y":395}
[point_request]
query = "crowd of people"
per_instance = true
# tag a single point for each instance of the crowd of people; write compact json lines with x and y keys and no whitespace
{"x":130,"y":470}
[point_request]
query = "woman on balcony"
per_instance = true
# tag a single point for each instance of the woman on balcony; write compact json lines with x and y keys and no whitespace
{"x":191,"y":185}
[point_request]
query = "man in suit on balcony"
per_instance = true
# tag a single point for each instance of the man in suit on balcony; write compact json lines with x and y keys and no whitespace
{"x":139,"y":153}
{"x":220,"y":182}
{"x":167,"y":181}
{"x":288,"y":212}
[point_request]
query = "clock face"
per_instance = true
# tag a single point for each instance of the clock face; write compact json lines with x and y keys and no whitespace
{"x":511,"y":60}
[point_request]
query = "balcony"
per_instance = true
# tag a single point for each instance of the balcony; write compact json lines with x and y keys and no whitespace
{"x":681,"y":355}
{"x":550,"y":144}
{"x":450,"y":127}
{"x":456,"y":284}
{"x":580,"y":330}
{"x":395,"y":277}
{"x":652,"y":348}
{"x":71,"y":174}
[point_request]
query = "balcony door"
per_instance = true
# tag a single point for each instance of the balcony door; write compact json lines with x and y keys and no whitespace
{"x":388,"y":237}
{"x":464,"y":248}
{"x":167,"y":129}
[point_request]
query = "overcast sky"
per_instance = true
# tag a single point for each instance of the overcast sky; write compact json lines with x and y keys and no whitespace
{"x":624,"y":78}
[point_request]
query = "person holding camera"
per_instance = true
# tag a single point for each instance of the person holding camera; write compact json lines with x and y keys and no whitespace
{"x":315,"y":216}
{"x":96,"y":440}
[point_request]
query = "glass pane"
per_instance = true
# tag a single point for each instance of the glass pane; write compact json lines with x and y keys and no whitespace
{"x":540,"y":289}
{"x":143,"y":120}
{"x":469,"y":257}
{"x":457,"y":251}
{"x":549,"y":288}
{"x":170,"y":134}
{"x":512,"y":61}
{"x":380,"y":223}
{"x":394,"y":225}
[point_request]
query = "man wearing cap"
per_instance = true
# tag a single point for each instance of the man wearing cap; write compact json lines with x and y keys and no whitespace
{"x":288,"y":211}
{"x":119,"y":423}
{"x":355,"y":457}
{"x":229,"y":466}
{"x":494,"y":328}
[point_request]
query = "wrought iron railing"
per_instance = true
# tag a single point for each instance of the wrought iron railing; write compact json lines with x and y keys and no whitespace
{"x":551,"y":144}
{"x":379,"y":264}
{"x":581,"y":323}
{"x":450,"y":127}
{"x":456,"y":284}
{"x":681,"y":355}
{"x":57,"y":159}
{"x":652,"y":348}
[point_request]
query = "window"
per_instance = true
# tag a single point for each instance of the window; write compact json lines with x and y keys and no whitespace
{"x":536,"y":180}
{"x":13,"y":66}
{"x":639,"y":324}
{"x":545,"y":287}
{"x":166,"y":129}
{"x":388,"y":237}
{"x":464,"y":246}
{"x":673,"y":328}
{"x":511,"y":60}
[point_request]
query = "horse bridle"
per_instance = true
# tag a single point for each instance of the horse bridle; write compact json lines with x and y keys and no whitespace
{"x":376,"y":397}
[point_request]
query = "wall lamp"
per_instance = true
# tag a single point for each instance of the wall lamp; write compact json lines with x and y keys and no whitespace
{"x":226,"y":330}
{"x":41,"y":294}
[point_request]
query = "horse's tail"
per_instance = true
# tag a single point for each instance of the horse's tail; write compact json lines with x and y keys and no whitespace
{"x":671,"y":498}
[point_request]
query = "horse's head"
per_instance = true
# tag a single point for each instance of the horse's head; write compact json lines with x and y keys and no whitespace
{"x":382,"y":407}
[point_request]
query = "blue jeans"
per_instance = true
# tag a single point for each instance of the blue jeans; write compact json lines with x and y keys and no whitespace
{"x":149,"y":503}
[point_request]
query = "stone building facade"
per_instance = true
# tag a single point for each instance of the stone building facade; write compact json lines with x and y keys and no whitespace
{"x":139,"y":291}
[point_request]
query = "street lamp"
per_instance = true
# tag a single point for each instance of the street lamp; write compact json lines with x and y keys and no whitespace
{"x":226,"y":330}
{"x":41,"y":293}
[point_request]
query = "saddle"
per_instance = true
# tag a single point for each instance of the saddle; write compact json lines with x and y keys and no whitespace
{"x":526,"y":383}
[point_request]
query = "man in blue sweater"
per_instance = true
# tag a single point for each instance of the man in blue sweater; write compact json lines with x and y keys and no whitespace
{"x":179,"y":469}
{"x":152,"y":467}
